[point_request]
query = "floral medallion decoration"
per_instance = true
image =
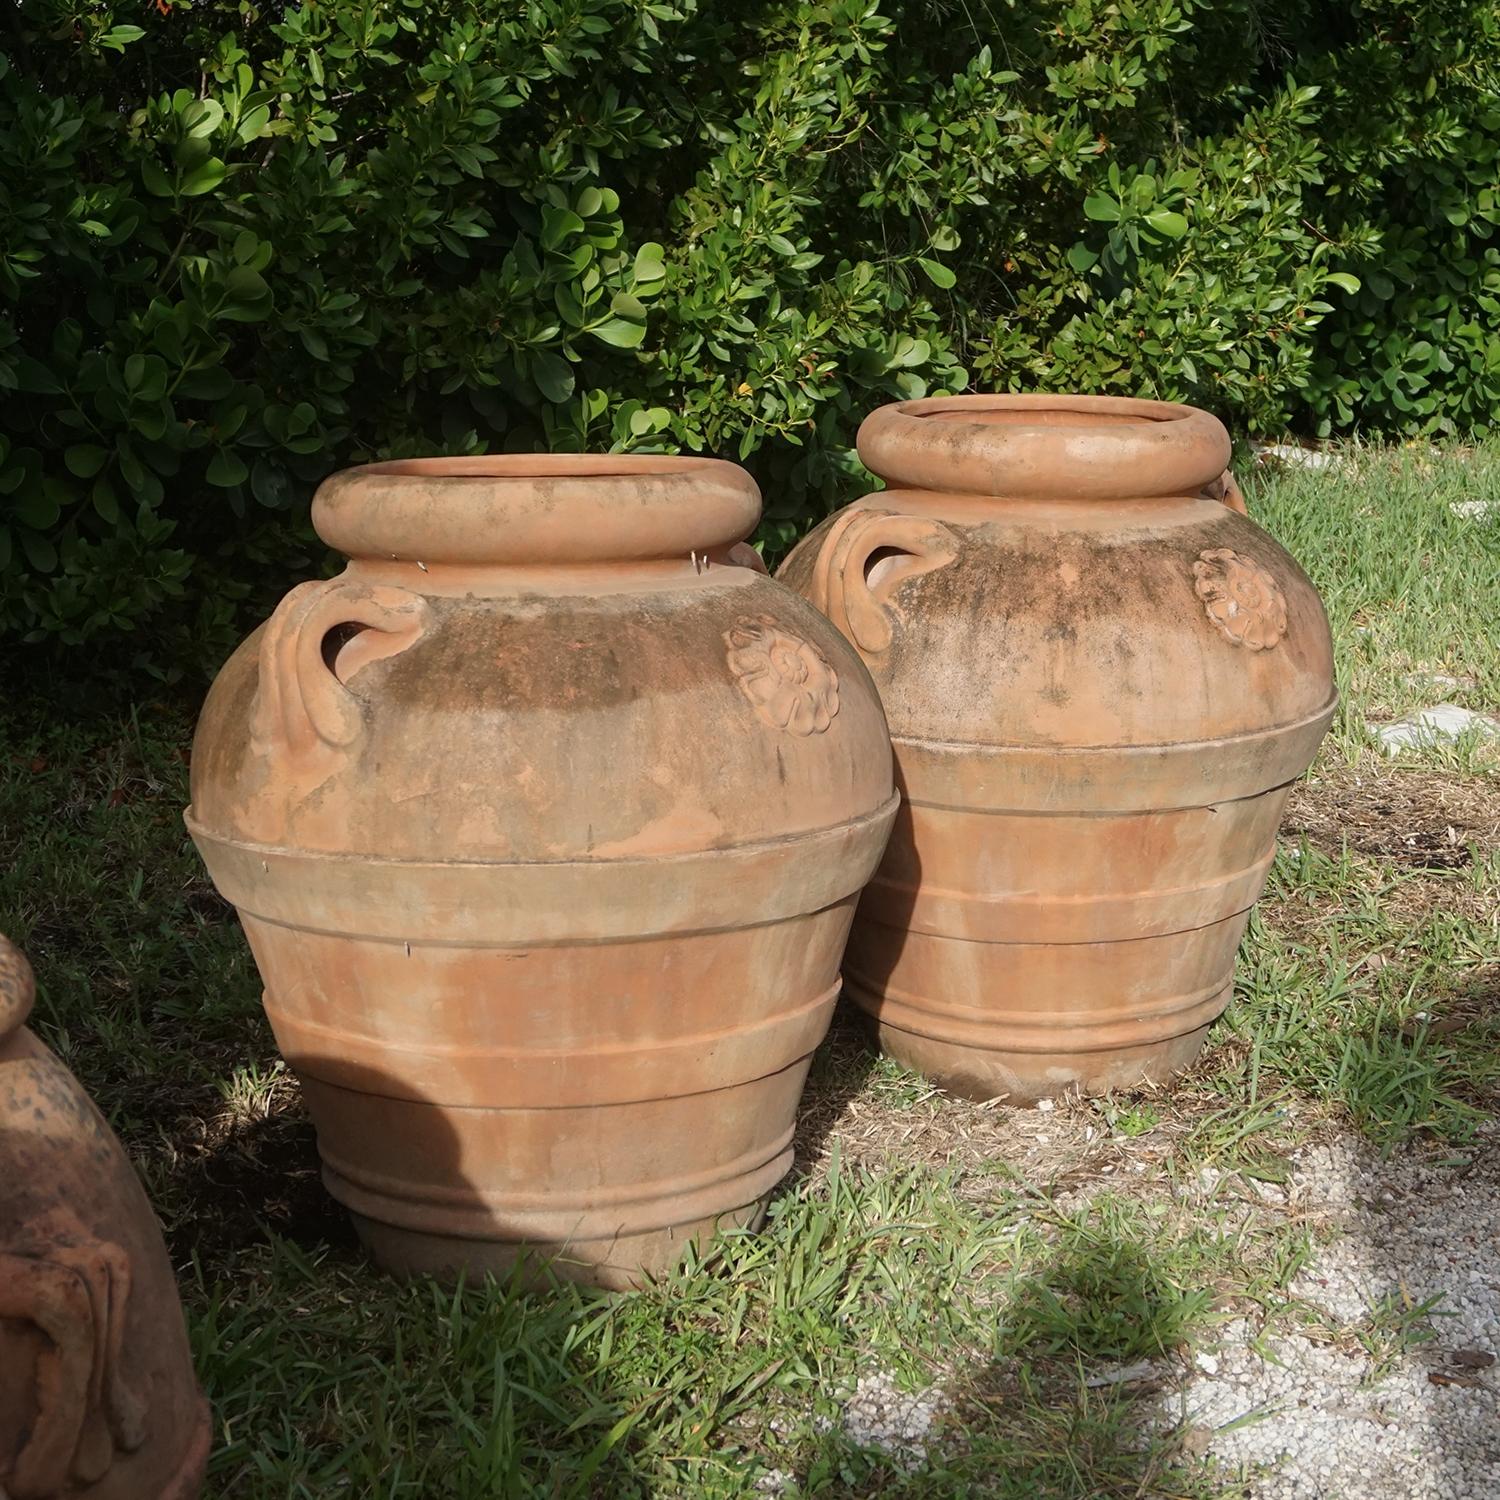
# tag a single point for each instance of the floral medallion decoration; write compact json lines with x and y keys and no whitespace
{"x":1242,"y":599}
{"x":789,"y":681}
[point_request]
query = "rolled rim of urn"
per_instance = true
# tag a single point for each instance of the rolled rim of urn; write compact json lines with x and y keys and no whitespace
{"x":537,"y":508}
{"x":1043,"y":447}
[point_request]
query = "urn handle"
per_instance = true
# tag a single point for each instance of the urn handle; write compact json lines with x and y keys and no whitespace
{"x":743,"y":555}
{"x":321,"y":634}
{"x":866,"y":556}
{"x":75,"y":1294}
{"x":1226,"y":490}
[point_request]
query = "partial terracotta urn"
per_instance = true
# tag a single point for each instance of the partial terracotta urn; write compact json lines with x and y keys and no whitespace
{"x":546,"y":820}
{"x":1101,"y":679}
{"x":97,"y":1395}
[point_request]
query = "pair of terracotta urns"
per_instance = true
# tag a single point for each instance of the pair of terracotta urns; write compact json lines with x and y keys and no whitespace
{"x":548,"y":818}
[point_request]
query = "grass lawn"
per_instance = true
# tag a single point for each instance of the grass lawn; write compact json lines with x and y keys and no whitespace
{"x":1009,"y":1268}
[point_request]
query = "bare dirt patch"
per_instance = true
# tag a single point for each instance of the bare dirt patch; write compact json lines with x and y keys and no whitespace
{"x":1416,"y":819}
{"x":880,"y":1120}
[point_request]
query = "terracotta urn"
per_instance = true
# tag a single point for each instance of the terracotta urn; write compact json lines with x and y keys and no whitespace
{"x":1101,"y":678}
{"x":546,"y":821}
{"x":97,"y":1395}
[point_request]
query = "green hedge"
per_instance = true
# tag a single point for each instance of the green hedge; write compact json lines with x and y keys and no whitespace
{"x":243,"y":246}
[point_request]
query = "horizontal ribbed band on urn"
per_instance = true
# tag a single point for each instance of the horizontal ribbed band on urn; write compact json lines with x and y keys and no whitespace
{"x":487,"y":1075}
{"x":537,"y":509}
{"x":1080,"y":1032}
{"x":1041,"y":447}
{"x":1047,"y":918}
{"x":533,"y":905}
{"x":1101,"y":780}
{"x":469,"y":1213}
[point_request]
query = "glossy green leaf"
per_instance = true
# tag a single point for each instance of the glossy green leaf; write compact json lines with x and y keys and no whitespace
{"x":155,"y":180}
{"x":226,"y":468}
{"x":620,"y":333}
{"x":85,"y":459}
{"x":553,"y":375}
{"x":650,"y":263}
{"x":938,"y":274}
{"x":1166,"y":221}
{"x":203,"y":178}
{"x":38,"y":550}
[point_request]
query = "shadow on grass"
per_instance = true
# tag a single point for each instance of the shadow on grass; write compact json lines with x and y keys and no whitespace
{"x":1065,"y":1404}
{"x":327,"y":1375}
{"x":737,"y":1375}
{"x":260,"y":1181}
{"x":1089,"y":1336}
{"x":329,"y":1379}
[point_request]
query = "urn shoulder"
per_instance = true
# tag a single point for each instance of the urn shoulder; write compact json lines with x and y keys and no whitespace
{"x":1053,"y":612}
{"x":554,"y":697}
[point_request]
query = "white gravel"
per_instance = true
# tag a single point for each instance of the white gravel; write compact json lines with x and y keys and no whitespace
{"x":1295,"y":456}
{"x":1303,"y":1406}
{"x":1334,"y":1427}
{"x":776,"y":1482}
{"x":881,"y":1415}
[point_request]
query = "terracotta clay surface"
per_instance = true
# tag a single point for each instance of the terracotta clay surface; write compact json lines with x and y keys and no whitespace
{"x":546,"y":821}
{"x":97,"y":1396}
{"x":1100,"y":678}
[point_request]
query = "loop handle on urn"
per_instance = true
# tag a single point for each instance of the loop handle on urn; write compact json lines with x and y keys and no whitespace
{"x":743,"y":555}
{"x":1226,"y":490}
{"x":321,"y":634}
{"x":855,"y":586}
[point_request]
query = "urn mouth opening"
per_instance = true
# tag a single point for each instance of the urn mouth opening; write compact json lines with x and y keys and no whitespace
{"x":531,"y":466}
{"x":1046,"y":447}
{"x":1060,"y":415}
{"x":522,"y":509}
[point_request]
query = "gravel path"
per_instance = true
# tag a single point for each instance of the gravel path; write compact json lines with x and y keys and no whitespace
{"x":1426,"y":1426}
{"x":1351,"y":1410}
